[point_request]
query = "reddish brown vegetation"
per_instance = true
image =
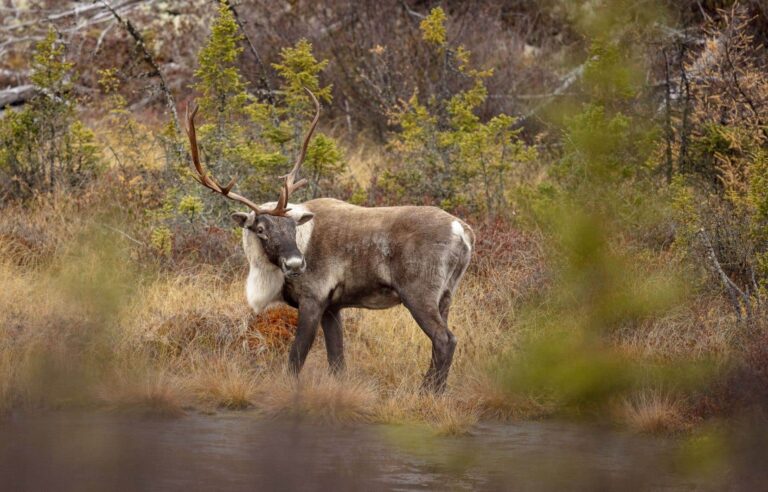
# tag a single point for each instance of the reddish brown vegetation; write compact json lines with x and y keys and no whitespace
{"x":274,"y":328}
{"x":745,"y":386}
{"x":499,"y":246}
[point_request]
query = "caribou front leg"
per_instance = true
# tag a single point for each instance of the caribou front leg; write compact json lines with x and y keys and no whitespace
{"x":334,"y":339}
{"x":309,"y":320}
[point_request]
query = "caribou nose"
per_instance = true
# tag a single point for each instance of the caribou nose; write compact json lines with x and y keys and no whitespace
{"x":295,"y":265}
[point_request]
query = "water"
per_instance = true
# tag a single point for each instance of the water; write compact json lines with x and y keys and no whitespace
{"x":239,"y":451}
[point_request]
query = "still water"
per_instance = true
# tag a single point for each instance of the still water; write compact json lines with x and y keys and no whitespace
{"x":240,"y":451}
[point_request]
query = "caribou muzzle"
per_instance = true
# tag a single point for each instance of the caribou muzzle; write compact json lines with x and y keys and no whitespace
{"x":293,"y":266}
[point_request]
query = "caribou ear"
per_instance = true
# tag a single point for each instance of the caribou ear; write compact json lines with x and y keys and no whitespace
{"x":240,"y":218}
{"x":304,"y":218}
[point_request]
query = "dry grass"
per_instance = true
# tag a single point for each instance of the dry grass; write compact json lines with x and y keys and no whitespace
{"x":316,"y":395}
{"x":652,"y":411}
{"x":167,"y":341}
{"x":445,"y":414}
{"x":491,"y":401}
{"x":224,"y":382}
{"x":705,"y":327}
{"x":157,"y":394}
{"x":363,"y":157}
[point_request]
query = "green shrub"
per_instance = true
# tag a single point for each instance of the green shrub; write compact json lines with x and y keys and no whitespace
{"x":45,"y":146}
{"x":442,"y":153}
{"x":254,"y":140}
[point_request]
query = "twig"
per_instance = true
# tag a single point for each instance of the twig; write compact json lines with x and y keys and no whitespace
{"x":668,"y":117}
{"x":570,"y":79}
{"x":682,"y":158}
{"x":124,"y":234}
{"x":739,"y":88}
{"x":412,"y":12}
{"x":150,"y":60}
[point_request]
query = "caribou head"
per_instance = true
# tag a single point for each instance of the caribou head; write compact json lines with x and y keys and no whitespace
{"x":273,"y":227}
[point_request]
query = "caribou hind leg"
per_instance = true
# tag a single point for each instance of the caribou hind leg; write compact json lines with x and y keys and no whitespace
{"x":431,"y":313}
{"x":334,"y":339}
{"x":430,"y":319}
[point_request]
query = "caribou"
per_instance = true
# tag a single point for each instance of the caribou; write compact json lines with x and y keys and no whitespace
{"x":324,"y":255}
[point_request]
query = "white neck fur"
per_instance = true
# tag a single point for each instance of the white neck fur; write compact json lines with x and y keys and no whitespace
{"x":265,"y":280}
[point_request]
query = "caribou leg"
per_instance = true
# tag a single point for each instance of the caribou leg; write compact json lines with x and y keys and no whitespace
{"x":430,"y":319}
{"x":309,"y":321}
{"x":334,"y":339}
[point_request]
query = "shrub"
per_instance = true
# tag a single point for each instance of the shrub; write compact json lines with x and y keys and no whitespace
{"x":443,"y":153}
{"x":258,"y":140}
{"x":45,"y":146}
{"x":721,"y":193}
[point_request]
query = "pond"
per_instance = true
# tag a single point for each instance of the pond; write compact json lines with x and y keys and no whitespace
{"x":241,"y":451}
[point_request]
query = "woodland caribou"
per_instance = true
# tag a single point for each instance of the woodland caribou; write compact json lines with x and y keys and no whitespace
{"x":325,"y":255}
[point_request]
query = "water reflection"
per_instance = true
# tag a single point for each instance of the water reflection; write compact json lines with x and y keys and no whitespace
{"x":243,"y":452}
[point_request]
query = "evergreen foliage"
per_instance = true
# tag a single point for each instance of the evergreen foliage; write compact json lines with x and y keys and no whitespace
{"x":443,"y":153}
{"x":254,"y":140}
{"x":45,"y":146}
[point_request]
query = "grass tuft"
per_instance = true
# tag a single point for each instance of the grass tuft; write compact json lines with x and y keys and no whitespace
{"x":224,"y":383}
{"x":653,"y":412}
{"x":156,"y":394}
{"x":317,"y":396}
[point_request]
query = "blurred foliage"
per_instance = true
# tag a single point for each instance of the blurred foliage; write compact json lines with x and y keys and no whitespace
{"x":598,"y":199}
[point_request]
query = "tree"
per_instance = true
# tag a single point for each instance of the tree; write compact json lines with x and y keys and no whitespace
{"x":256,"y":140}
{"x":443,"y":153}
{"x":45,"y":146}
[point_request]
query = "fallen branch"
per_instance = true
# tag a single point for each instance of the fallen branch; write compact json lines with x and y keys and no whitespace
{"x":76,"y":12}
{"x":733,"y":290}
{"x":17,"y":95}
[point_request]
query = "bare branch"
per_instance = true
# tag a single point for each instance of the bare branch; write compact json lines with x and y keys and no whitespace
{"x":150,"y":60}
{"x":733,"y":290}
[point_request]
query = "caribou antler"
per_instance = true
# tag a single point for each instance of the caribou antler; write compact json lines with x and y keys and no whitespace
{"x":203,"y":178}
{"x":289,"y":186}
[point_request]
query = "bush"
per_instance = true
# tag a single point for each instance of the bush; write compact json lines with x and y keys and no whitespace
{"x":254,"y":140}
{"x":45,"y":146}
{"x":722,"y":197}
{"x":442,"y":153}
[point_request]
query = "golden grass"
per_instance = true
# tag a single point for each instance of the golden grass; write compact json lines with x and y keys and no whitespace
{"x":652,"y":411}
{"x":491,"y":401}
{"x":704,"y":327}
{"x":445,"y":414}
{"x":224,"y":382}
{"x":170,"y":341}
{"x":363,"y":158}
{"x":157,"y":394}
{"x":316,"y":395}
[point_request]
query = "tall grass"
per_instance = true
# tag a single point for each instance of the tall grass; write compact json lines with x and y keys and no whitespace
{"x":83,"y":321}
